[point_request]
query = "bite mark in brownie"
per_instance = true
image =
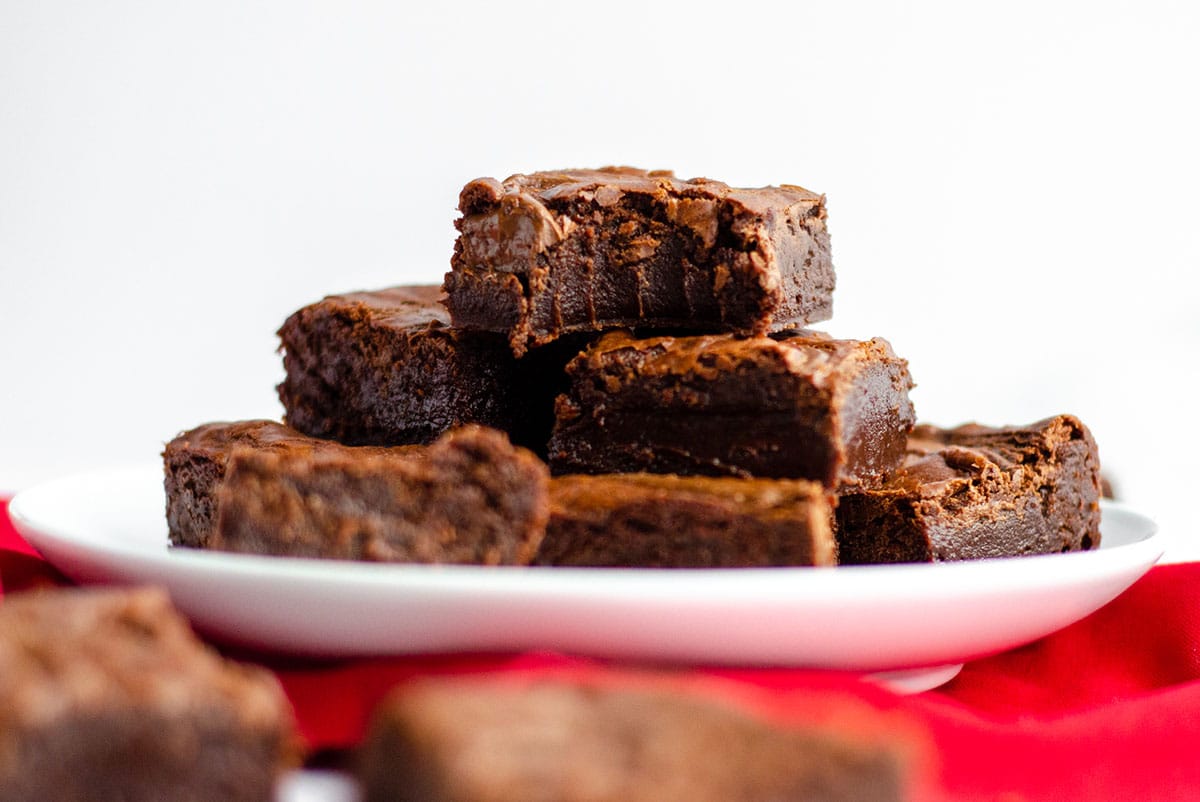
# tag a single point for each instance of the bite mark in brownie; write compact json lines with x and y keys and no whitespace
{"x":795,"y":405}
{"x":977,"y":491}
{"x":259,"y":487}
{"x":480,"y":741}
{"x":386,"y":368}
{"x":549,"y":253}
{"x":655,"y":521}
{"x":107,"y":694}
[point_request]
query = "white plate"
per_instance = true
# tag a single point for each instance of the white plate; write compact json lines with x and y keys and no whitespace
{"x":109,"y":527}
{"x":316,"y":786}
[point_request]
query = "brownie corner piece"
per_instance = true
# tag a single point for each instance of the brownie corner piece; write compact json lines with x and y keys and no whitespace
{"x":977,"y":491}
{"x":385,"y":367}
{"x":549,"y":253}
{"x":795,"y":405}
{"x":195,"y":463}
{"x":107,"y":694}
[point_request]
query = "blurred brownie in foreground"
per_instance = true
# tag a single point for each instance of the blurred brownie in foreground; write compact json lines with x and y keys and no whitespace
{"x":107,"y":695}
{"x":655,"y":521}
{"x":549,"y":253}
{"x":977,"y":491}
{"x":795,"y":405}
{"x":386,"y":368}
{"x":480,"y":741}
{"x":259,"y":487}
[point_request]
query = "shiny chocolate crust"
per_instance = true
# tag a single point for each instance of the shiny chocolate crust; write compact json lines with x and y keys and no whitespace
{"x":472,"y":740}
{"x":258,"y":487}
{"x":977,"y":491}
{"x":386,"y":368}
{"x":647,"y":520}
{"x":796,"y":405}
{"x":107,"y":694}
{"x":550,"y":253}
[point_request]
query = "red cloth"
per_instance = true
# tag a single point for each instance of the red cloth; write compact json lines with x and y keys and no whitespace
{"x":1106,"y":709}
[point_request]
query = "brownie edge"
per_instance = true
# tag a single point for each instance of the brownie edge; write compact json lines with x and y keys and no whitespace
{"x":646,"y":520}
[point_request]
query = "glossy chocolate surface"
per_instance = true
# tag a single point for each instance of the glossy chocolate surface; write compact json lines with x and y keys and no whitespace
{"x":976,"y":491}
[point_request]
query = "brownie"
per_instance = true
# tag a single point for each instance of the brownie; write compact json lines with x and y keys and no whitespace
{"x":387,"y":368}
{"x":107,"y":695}
{"x":259,"y":487}
{"x":549,"y":253}
{"x":486,"y":741}
{"x":798,"y":405}
{"x":195,"y":463}
{"x":976,"y":491}
{"x":655,"y":521}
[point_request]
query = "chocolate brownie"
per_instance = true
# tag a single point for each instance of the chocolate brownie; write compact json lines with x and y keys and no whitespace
{"x":107,"y":694}
{"x":480,"y":741}
{"x":798,"y":405}
{"x":548,"y":253}
{"x":654,"y":521}
{"x":195,"y":462}
{"x":259,"y":487}
{"x":386,"y":368}
{"x":977,"y":491}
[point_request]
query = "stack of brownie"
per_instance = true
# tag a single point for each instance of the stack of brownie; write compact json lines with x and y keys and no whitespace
{"x":646,"y":338}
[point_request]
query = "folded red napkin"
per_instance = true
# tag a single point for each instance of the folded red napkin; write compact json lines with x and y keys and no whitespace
{"x":1106,"y":709}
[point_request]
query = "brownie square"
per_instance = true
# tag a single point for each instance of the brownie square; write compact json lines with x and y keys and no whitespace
{"x":107,"y":694}
{"x":550,"y":253}
{"x":655,"y":521}
{"x":797,"y":405}
{"x":486,"y":741}
{"x":977,"y":491}
{"x":386,"y":368}
{"x":258,"y":487}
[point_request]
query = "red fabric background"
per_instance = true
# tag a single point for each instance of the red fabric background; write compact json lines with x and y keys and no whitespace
{"x":1107,"y":709}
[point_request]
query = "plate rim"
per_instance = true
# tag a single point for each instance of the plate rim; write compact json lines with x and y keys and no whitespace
{"x":1148,"y":547}
{"x":829,"y":619}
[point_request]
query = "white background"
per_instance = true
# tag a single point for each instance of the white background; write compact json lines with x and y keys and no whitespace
{"x":1012,"y":191}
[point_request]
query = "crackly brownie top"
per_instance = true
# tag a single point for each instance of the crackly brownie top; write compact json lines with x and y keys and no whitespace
{"x":581,"y":495}
{"x":540,"y":209}
{"x":67,"y":652}
{"x":407,"y":307}
{"x":825,"y":361}
{"x":217,"y":440}
{"x":946,"y":462}
{"x":607,"y":185}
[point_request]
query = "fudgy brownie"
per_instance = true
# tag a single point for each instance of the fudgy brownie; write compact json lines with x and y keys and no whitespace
{"x":655,"y":521}
{"x":548,"y":253}
{"x":479,"y":741}
{"x":386,"y":368}
{"x":798,"y":405}
{"x":977,"y":491}
{"x":107,"y":694}
{"x":259,"y":487}
{"x":194,"y":464}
